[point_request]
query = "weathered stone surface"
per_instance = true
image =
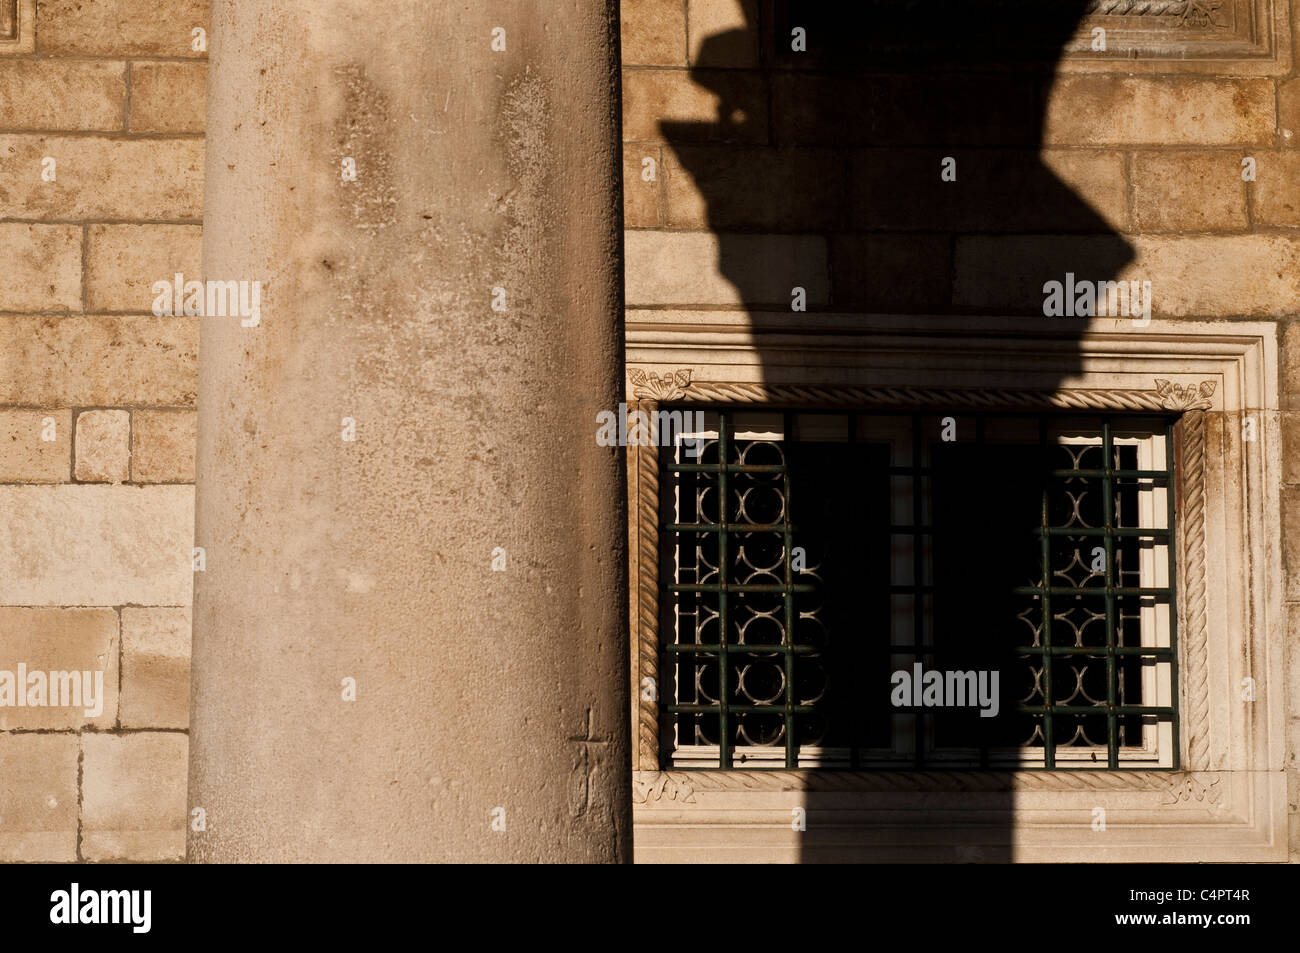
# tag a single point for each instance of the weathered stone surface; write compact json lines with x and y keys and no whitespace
{"x":103,"y":446}
{"x":119,"y":27}
{"x":42,"y":269}
{"x":1290,"y":370}
{"x":96,"y":545}
{"x":168,"y":97}
{"x":674,"y":97}
{"x":653,"y":32}
{"x":1188,"y":191}
{"x":1291,"y":540}
{"x":61,"y":95}
{"x":26,"y":456}
{"x":155,"y":667}
{"x":641,"y":198}
{"x":98,"y":360}
{"x":1288,"y":112}
{"x":101,"y":178}
{"x":123,"y":262}
{"x":1130,"y":110}
{"x":62,"y":640}
{"x":38,"y":799}
{"x":133,"y":796}
{"x":1277,"y":189}
{"x":325,"y":568}
{"x":723,"y":32}
{"x":1194,"y":275}
{"x":683,"y":268}
{"x":162,"y":446}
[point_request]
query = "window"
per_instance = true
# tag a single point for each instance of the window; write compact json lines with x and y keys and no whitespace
{"x":880,"y":590}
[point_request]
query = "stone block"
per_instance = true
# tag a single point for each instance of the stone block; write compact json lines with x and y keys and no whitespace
{"x":42,"y":270}
{"x":133,"y":796}
{"x":26,"y":456}
{"x":103,"y":446}
{"x":123,"y":262}
{"x":155,"y":667}
{"x":38,"y":799}
{"x":70,"y":659}
{"x":87,"y":545}
{"x":162,"y":446}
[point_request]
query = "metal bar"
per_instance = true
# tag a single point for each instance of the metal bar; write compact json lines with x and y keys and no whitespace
{"x":729,"y":468}
{"x":724,"y":571}
{"x":738,"y":587}
{"x":791,"y":752}
{"x":686,"y":647}
{"x":1164,"y":711}
{"x":1045,"y":596}
{"x":1144,"y":651}
{"x":918,"y":567}
{"x":1108,"y":507}
{"x":722,"y":710}
{"x":1095,"y":590}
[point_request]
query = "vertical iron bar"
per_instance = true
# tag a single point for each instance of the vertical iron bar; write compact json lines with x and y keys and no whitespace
{"x":791,"y":753}
{"x":918,"y":627}
{"x":1045,"y":551}
{"x":858,"y":658}
{"x":1108,"y":508}
{"x":724,"y":569}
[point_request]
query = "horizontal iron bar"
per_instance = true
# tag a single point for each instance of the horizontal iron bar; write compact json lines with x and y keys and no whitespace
{"x":1095,"y":710}
{"x":730,"y":467}
{"x":1153,"y":651}
{"x":1122,"y":474}
{"x":742,"y":648}
{"x":741,"y":709}
{"x":732,"y":587}
{"x":1167,"y":591}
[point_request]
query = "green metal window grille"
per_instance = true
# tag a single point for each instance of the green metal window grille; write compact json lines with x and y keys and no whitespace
{"x":807,"y":557}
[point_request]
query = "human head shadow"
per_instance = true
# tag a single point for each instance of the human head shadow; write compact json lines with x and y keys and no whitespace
{"x":839,"y":149}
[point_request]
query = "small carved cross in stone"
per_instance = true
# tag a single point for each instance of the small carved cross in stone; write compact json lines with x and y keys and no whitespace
{"x":584,"y":768}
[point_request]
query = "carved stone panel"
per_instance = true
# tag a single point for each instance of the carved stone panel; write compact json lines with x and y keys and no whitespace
{"x":17,"y":26}
{"x":1222,"y":36}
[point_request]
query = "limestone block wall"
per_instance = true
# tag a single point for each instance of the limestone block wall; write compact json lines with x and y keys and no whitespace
{"x":101,"y":187}
{"x":1156,"y":150}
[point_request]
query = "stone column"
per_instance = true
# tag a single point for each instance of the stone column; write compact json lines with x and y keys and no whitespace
{"x":398,"y":479}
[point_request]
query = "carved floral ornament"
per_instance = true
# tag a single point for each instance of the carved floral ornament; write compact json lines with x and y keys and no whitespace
{"x":681,"y":385}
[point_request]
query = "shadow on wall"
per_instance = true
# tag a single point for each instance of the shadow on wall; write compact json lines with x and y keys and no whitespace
{"x":850,"y":140}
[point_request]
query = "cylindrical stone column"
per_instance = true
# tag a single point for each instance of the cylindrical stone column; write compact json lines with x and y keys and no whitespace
{"x":409,"y":627}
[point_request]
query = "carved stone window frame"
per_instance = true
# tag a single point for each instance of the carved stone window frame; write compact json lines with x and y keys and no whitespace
{"x":22,"y":37}
{"x":1226,"y":803}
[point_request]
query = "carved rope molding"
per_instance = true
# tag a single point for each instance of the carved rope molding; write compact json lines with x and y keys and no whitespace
{"x":680,"y":386}
{"x":647,"y":596}
{"x":1196,"y":701}
{"x":649,"y":388}
{"x":1194,"y":13}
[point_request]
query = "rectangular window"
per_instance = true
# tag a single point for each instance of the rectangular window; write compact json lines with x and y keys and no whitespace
{"x":882,"y":590}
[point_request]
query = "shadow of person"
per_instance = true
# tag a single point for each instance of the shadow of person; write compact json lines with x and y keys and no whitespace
{"x":896,"y":145}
